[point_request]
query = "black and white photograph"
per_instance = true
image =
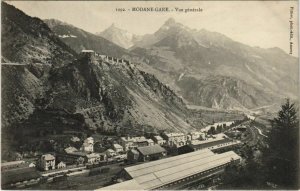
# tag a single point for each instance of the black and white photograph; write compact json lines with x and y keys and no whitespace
{"x":149,"y":95}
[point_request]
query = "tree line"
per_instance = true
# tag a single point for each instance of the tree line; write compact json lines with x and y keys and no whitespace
{"x":274,"y":166}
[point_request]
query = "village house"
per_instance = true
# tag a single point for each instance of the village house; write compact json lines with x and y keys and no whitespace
{"x":32,"y":165}
{"x":159,"y":140}
{"x":47,"y":162}
{"x":110,"y":153}
{"x":61,"y":164}
{"x":133,"y":156}
{"x":72,"y":157}
{"x":150,"y":142}
{"x":133,"y":142}
{"x":118,"y":148}
{"x":93,"y":158}
{"x":75,"y":139}
{"x":141,"y":141}
{"x":197,"y":135}
{"x":149,"y":153}
{"x":175,"y":139}
{"x":70,"y":149}
{"x":88,"y":145}
{"x":120,"y":157}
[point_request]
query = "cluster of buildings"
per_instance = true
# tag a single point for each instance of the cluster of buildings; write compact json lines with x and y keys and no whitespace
{"x":135,"y":149}
{"x":165,"y":139}
{"x":60,"y":160}
{"x":142,"y":149}
{"x":196,"y":160}
{"x":176,"y":140}
{"x":129,"y":143}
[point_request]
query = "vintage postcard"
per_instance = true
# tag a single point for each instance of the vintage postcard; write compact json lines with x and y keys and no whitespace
{"x":149,"y":95}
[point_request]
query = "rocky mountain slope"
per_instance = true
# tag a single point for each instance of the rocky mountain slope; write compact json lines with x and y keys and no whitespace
{"x":29,"y":49}
{"x":86,"y":91}
{"x":79,"y":39}
{"x":110,"y":94}
{"x":29,"y":40}
{"x":176,"y":52}
{"x":119,"y":36}
{"x":223,"y":92}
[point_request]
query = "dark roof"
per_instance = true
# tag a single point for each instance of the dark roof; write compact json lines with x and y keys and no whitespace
{"x":210,"y":144}
{"x":148,"y":150}
{"x":19,"y":175}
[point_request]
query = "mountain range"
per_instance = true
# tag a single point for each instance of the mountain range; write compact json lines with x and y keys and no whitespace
{"x":212,"y":70}
{"x":43,"y":94}
{"x":209,"y":69}
{"x":49,"y":85}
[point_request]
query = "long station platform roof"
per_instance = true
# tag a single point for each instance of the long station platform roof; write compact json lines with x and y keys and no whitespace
{"x":158,"y":173}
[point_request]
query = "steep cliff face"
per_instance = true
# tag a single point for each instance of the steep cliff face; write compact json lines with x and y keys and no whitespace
{"x":29,"y":50}
{"x":111,"y":94}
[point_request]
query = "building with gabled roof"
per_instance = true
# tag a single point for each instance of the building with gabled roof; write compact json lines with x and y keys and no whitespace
{"x":47,"y":162}
{"x":118,"y":148}
{"x":110,"y":153}
{"x":133,"y":142}
{"x":158,"y":140}
{"x":88,"y":145}
{"x":153,"y":152}
{"x":70,"y":149}
{"x":175,"y":139}
{"x":150,"y":142}
{"x":75,"y":139}
{"x":93,"y":158}
{"x":195,"y":135}
{"x":61,"y":164}
{"x":133,"y":156}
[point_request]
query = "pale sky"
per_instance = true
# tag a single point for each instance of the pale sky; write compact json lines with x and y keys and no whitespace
{"x":256,"y":23}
